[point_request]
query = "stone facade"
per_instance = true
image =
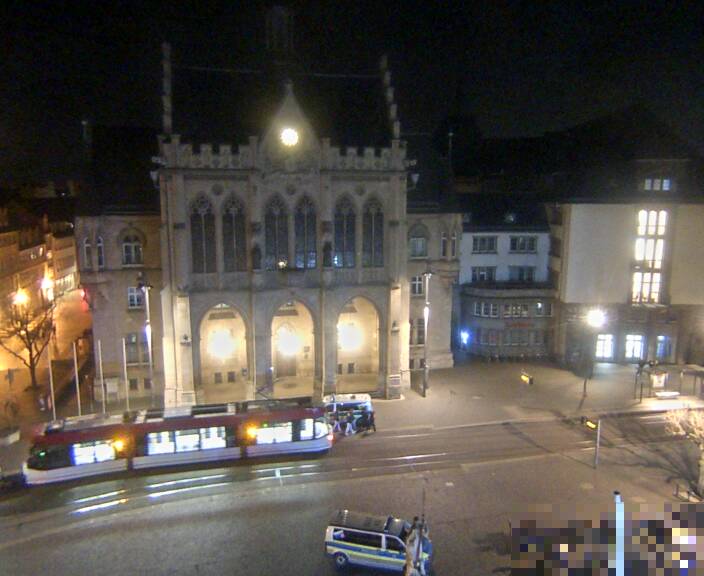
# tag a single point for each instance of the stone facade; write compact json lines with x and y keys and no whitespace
{"x":308,"y":233}
{"x":117,"y":251}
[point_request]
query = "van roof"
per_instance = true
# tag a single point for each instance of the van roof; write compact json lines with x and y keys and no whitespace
{"x":361,"y":521}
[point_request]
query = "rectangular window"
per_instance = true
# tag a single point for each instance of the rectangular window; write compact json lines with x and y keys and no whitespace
{"x":213,"y":437}
{"x":523,"y":244}
{"x":539,"y":337}
{"x":649,"y":252}
{"x":494,"y":310}
{"x":92,"y":452}
{"x":132,"y":348}
{"x":147,"y":383}
{"x":664,"y":348}
{"x":483,"y":273}
{"x":231,"y":376}
{"x":306,"y":429}
{"x":419,"y":247}
{"x":521,"y":273}
{"x":417,"y":285}
{"x":666,"y":184}
{"x":134,"y":384}
{"x":453,"y":245}
{"x":420,"y":331}
{"x":443,"y":245}
{"x":477,"y":308}
{"x":350,"y":367}
{"x":394,"y":544}
{"x":363,"y":538}
{"x":483,"y":244}
{"x":605,"y":346}
{"x":411,"y":364}
{"x":217,"y":377}
{"x":486,"y":309}
{"x":484,"y":337}
{"x":648,"y":184}
{"x":160,"y":443}
{"x":634,"y":346}
{"x":492,"y":338}
{"x":421,"y":363}
{"x":275,"y":433}
{"x":339,"y":368}
{"x":187,"y":440}
{"x":543,"y":309}
{"x":135,"y":297}
{"x":507,"y":312}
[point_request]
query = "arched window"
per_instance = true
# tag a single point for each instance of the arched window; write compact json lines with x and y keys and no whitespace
{"x":233,"y":236}
{"x":344,"y":234}
{"x":373,"y":235}
{"x":443,"y":245}
{"x":418,"y":242}
{"x":276,"y":235}
{"x":101,"y":252}
{"x":87,"y":254}
{"x":304,"y":226}
{"x":131,"y":250}
{"x":202,"y":236}
{"x":453,"y":245}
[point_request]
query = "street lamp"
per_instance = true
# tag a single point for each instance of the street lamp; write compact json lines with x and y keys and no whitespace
{"x":426,"y":317}
{"x":146,"y":288}
{"x":595,"y":319}
{"x":20,"y":298}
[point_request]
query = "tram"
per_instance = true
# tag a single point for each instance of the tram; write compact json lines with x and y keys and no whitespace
{"x":98,"y":444}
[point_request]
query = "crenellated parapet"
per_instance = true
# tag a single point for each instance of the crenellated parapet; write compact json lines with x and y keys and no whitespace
{"x":175,"y":154}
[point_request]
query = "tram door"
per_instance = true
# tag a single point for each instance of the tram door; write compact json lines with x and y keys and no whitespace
{"x":285,"y":365}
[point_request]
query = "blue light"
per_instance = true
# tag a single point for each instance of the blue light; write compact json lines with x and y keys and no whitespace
{"x":464,"y":336}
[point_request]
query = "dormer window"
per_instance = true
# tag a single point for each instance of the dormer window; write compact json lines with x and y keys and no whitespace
{"x":657,"y":184}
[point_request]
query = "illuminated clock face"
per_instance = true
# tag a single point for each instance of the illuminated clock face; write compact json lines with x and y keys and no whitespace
{"x":289,"y":137}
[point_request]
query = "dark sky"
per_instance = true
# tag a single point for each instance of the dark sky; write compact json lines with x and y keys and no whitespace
{"x":525,"y":67}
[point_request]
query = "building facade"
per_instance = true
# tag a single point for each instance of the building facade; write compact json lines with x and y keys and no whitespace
{"x":506,"y":301}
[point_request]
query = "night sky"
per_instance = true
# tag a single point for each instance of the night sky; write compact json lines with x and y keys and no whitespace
{"x":524,"y":67}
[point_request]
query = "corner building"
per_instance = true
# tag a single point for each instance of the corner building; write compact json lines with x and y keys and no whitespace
{"x":284,"y":258}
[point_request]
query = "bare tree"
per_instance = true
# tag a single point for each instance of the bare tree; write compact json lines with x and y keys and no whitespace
{"x":690,"y":424}
{"x":31,"y":327}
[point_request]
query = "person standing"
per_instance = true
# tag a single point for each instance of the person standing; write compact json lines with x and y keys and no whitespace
{"x":349,"y":428}
{"x":370,"y":421}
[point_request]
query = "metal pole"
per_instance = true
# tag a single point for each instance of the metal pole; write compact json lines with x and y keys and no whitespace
{"x":620,"y":525}
{"x":78,"y":387}
{"x":102,"y":379}
{"x":124,"y":374}
{"x":51,"y":388}
{"x":426,"y":321}
{"x":598,"y":442}
{"x":148,"y":331}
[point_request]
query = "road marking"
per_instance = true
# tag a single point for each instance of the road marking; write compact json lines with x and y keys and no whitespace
{"x":101,"y":506}
{"x":98,"y":496}
{"x":184,"y":480}
{"x":186,"y":489}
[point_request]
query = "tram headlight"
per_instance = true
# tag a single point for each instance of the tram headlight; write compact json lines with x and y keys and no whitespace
{"x":118,"y":445}
{"x":251,"y":432}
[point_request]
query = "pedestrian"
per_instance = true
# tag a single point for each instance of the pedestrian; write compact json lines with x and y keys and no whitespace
{"x":370,"y":420}
{"x":337,"y":424}
{"x":349,"y":428}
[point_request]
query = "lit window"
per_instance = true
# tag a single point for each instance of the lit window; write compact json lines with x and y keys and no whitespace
{"x":649,"y":253}
{"x":160,"y":443}
{"x":666,"y":184}
{"x":275,"y":433}
{"x":417,"y":285}
{"x":648,"y":183}
{"x":634,"y":346}
{"x":187,"y":440}
{"x":213,"y":437}
{"x":604,"y":346}
{"x":92,"y":452}
{"x":306,"y":429}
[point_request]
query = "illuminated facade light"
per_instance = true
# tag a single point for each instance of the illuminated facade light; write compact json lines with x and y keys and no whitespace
{"x":20,"y":298}
{"x":288,"y":342}
{"x":221,"y":344}
{"x":596,"y":318}
{"x":349,"y":337}
{"x":464,"y":337}
{"x":289,"y":137}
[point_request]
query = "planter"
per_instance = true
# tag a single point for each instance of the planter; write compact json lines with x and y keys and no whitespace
{"x":9,"y":436}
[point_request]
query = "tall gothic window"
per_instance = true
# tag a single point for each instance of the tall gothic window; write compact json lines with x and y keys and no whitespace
{"x":304,"y":226}
{"x":345,"y":221}
{"x":276,"y":235}
{"x":131,"y":250}
{"x":373,"y":235}
{"x":101,"y":252}
{"x":87,"y":254}
{"x":233,"y":236}
{"x":202,"y":236}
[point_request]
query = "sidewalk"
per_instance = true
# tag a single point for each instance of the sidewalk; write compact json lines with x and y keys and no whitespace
{"x":481,"y":393}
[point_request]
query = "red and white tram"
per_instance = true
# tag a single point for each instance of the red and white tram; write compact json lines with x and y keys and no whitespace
{"x":94,"y":445}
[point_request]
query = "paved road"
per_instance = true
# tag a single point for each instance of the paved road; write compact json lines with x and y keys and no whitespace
{"x":268,"y":517}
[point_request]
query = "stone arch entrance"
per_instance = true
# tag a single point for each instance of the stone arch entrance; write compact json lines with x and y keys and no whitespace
{"x":358,"y":347}
{"x":224,"y":369}
{"x":293,"y":350}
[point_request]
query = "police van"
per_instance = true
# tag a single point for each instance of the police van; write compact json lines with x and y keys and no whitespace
{"x":344,"y":402}
{"x":377,"y":542}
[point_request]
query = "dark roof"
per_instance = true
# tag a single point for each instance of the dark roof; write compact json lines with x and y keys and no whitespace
{"x":431,"y":192}
{"x":120,"y":180}
{"x":499,"y":213}
{"x":228,"y":106}
{"x":360,"y":521}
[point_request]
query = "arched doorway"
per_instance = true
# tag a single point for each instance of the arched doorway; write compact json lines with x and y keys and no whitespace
{"x":224,"y":372}
{"x":293,"y":350}
{"x":357,"y":347}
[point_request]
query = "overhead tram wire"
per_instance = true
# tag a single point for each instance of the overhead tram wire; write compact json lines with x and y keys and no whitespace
{"x":299,"y":74}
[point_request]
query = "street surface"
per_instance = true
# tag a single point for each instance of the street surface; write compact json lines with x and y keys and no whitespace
{"x":268,"y":517}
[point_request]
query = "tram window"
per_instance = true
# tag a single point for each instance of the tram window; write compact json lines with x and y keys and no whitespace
{"x":321,"y":427}
{"x":187,"y":440}
{"x":91,"y":452}
{"x":213,"y":437}
{"x":48,"y":457}
{"x":307,"y":429}
{"x":275,"y":433}
{"x":160,"y":443}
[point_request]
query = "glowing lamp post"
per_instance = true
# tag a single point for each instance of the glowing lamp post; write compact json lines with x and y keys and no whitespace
{"x":20,"y":299}
{"x":595,"y":319}
{"x":146,"y":288}
{"x":426,"y":317}
{"x":289,"y":137}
